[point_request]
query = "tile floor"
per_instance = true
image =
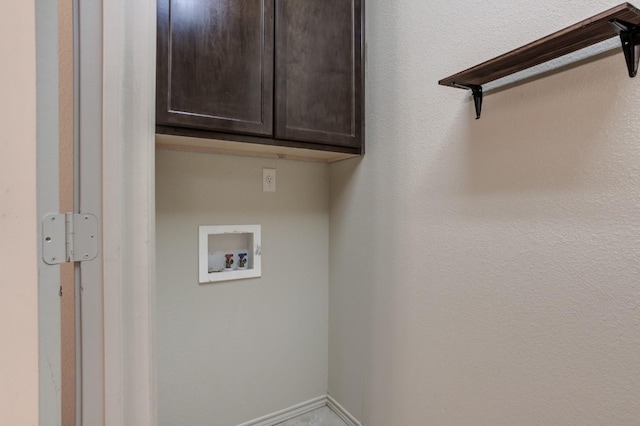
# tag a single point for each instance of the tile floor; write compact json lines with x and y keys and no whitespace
{"x":319,"y":417}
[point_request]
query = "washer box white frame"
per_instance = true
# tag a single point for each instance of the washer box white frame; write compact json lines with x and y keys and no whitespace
{"x":237,"y":274}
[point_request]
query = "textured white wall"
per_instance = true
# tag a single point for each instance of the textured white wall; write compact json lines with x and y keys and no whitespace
{"x":18,"y":223}
{"x":233,"y":351}
{"x":487,"y":272}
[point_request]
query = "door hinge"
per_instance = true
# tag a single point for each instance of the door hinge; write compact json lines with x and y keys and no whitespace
{"x":69,"y":237}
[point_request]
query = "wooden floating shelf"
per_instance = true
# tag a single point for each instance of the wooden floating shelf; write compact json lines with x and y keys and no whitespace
{"x":622,"y":20}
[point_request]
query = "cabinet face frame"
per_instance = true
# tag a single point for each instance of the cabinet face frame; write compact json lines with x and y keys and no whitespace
{"x":284,"y":127}
{"x":175,"y":49}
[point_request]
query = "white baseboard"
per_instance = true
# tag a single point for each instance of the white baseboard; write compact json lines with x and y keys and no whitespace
{"x":342,"y":412}
{"x":288,"y":413}
{"x":303,"y":408}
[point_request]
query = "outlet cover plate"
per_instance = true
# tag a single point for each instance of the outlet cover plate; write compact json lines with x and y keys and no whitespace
{"x":269,"y":180}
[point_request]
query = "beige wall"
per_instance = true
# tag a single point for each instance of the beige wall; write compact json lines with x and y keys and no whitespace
{"x":233,"y":351}
{"x":487,"y":272}
{"x":18,"y":249}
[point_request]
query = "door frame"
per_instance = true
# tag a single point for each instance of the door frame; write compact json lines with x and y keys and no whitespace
{"x":129,"y":38}
{"x":126,"y":98}
{"x":126,"y":47}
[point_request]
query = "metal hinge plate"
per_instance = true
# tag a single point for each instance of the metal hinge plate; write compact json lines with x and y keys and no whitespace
{"x":69,"y":237}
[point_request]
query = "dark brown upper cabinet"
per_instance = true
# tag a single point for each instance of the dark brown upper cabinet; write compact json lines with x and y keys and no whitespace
{"x":318,"y":83}
{"x":215,"y":65}
{"x":276,"y":72}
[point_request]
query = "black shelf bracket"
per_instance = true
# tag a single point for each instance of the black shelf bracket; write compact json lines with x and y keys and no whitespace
{"x":630,"y":38}
{"x":476,"y":91}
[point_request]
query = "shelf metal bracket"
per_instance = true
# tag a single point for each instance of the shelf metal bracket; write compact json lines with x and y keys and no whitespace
{"x":630,"y":38}
{"x":476,"y":91}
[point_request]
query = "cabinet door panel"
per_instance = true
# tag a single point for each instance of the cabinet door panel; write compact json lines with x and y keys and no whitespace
{"x":318,"y":78}
{"x":215,"y":65}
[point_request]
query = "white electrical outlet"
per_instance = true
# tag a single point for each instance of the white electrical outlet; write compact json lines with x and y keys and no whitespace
{"x":269,"y":180}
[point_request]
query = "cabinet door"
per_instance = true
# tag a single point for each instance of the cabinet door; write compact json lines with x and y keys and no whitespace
{"x":318,"y":71}
{"x":215,"y":65}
